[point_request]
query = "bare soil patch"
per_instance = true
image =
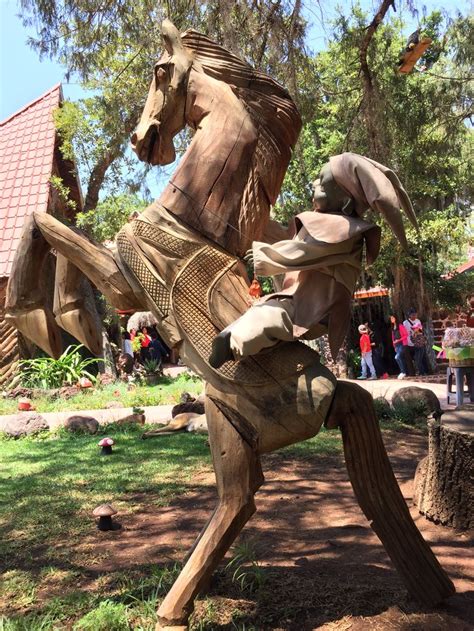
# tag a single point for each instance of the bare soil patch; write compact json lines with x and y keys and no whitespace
{"x":324,"y":568}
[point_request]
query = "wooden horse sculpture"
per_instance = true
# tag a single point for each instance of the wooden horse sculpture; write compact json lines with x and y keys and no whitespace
{"x":179,"y":259}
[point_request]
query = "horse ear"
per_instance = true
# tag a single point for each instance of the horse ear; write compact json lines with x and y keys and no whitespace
{"x":171,"y":37}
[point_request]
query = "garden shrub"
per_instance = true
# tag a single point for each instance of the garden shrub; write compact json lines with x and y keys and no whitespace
{"x":46,"y":372}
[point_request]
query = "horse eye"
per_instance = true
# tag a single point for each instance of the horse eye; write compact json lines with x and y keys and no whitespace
{"x":161,"y":74}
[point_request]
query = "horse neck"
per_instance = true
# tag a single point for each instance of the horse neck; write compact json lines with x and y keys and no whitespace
{"x":207,"y":187}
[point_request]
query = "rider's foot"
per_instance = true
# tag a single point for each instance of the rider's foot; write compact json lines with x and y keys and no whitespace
{"x":221,"y":351}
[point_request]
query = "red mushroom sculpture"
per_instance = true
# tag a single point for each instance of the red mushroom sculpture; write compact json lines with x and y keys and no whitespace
{"x":106,"y":444}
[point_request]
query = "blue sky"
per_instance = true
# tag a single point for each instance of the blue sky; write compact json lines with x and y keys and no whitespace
{"x":24,"y":78}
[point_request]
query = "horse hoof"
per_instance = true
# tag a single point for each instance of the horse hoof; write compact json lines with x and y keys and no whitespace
{"x":161,"y":627}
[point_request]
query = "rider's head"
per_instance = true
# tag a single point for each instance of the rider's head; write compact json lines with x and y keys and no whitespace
{"x":328,"y":196}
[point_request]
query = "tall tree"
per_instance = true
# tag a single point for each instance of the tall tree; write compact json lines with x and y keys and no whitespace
{"x":416,"y":124}
{"x":111,"y":47}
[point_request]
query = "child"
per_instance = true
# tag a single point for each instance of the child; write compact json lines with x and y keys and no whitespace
{"x":366,"y":351}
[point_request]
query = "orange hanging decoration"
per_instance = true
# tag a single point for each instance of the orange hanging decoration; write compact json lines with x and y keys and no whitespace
{"x":255,"y":290}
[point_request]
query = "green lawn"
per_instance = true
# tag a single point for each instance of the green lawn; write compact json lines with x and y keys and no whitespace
{"x":48,"y":489}
{"x":167,"y":391}
{"x":49,"y":486}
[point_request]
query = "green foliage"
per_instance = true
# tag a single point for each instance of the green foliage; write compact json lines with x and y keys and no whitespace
{"x":420,"y":123}
{"x":111,"y":48}
{"x":62,"y":191}
{"x":247,"y":573}
{"x":137,"y":342}
{"x":108,"y":616}
{"x":46,"y":372}
{"x":106,"y":219}
{"x":403,"y":413}
{"x":410,"y":413}
{"x":152,"y":366}
{"x":354,"y":362}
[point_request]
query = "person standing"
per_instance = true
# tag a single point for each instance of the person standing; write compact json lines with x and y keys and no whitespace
{"x":127,"y":344}
{"x":399,"y":340}
{"x":366,"y":352}
{"x":412,"y":324}
{"x":145,"y":341}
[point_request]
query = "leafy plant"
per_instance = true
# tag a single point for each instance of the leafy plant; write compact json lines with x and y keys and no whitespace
{"x":137,"y":342}
{"x":152,"y":366}
{"x":247,"y":572}
{"x":354,"y":362}
{"x":410,"y":413}
{"x":46,"y":372}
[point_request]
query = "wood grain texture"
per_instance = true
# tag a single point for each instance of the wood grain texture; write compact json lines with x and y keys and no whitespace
{"x":444,"y":481}
{"x":380,"y":498}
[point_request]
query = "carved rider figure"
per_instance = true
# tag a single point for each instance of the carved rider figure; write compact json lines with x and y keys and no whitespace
{"x":322,"y":262}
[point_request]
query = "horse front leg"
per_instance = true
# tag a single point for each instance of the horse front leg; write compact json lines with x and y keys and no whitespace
{"x":238,"y":476}
{"x":380,"y":498}
{"x":27,"y":305}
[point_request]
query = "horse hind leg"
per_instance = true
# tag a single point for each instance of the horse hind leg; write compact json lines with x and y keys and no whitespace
{"x":71,"y":311}
{"x":27,"y":305}
{"x":238,"y":476}
{"x":380,"y":498}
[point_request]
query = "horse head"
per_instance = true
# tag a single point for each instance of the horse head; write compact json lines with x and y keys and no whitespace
{"x":164,"y":112}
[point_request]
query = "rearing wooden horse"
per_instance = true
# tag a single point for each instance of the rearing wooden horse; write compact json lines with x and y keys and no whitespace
{"x":179,"y":259}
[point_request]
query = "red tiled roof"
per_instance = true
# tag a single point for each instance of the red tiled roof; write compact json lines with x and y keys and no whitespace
{"x":26,"y":160}
{"x":465,"y":266}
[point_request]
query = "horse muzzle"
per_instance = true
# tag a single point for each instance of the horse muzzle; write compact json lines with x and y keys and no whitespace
{"x":152,"y":147}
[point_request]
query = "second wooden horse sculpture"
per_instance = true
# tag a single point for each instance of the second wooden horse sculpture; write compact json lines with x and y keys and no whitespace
{"x":179,"y":259}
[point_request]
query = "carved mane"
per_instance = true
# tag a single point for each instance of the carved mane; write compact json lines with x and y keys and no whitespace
{"x":276,"y":119}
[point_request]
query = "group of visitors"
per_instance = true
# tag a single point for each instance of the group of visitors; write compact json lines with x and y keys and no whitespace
{"x":151,"y":347}
{"x":408,"y":340}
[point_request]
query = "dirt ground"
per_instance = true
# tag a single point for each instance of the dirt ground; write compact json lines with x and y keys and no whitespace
{"x":323,"y":566}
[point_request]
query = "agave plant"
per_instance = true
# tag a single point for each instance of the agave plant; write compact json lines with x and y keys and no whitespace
{"x":46,"y":372}
{"x":152,"y":366}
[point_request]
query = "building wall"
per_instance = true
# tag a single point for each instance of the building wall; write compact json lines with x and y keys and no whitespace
{"x":444,"y":319}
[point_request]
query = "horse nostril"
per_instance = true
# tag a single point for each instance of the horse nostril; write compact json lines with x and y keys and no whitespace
{"x":134,"y":139}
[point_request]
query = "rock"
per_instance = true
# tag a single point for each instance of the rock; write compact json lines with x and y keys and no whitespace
{"x":125,"y":364}
{"x":131,"y":418}
{"x":81,"y":424}
{"x":66,"y":392}
{"x":418,"y":398}
{"x":186,"y":397}
{"x":25,"y":424}
{"x":18,"y":392}
{"x":106,"y":378}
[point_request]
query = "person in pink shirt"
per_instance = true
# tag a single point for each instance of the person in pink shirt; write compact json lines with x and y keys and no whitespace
{"x":399,"y":340}
{"x":366,"y":352}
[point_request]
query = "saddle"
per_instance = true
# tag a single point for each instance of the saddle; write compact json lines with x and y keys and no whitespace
{"x":195,"y":289}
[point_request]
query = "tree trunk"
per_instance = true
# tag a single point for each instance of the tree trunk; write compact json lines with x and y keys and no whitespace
{"x":444,"y":480}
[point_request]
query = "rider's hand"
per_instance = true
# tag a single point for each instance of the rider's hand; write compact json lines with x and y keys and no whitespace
{"x":248,"y":257}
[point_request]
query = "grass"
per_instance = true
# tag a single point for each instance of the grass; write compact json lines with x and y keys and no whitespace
{"x":166,"y":392}
{"x":49,"y":486}
{"x":50,"y":576}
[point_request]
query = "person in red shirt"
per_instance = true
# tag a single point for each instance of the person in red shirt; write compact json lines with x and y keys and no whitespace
{"x":399,"y":340}
{"x":366,"y":352}
{"x":145,"y":340}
